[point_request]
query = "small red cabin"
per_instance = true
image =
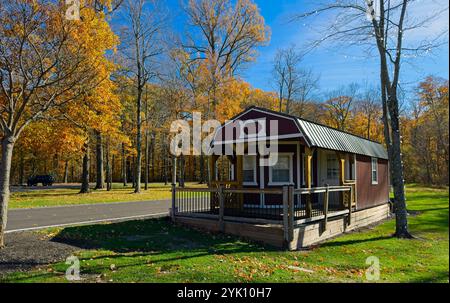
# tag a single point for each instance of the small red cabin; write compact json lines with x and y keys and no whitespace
{"x":272,"y":168}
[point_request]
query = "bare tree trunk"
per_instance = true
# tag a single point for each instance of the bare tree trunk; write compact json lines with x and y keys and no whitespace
{"x":194,"y":168}
{"x":72,"y":172}
{"x":398,"y":182}
{"x":368,"y":125}
{"x":137,"y":188}
{"x":85,"y":174}
{"x":153,"y":155}
{"x":113,"y":169}
{"x":165,"y":163}
{"x":202,"y":169}
{"x":66,"y":171}
{"x":21,"y":169}
{"x":108,"y":169}
{"x":182,"y":171}
{"x":124,"y":166}
{"x":5,"y":170}
{"x":100,"y":184}
{"x":133,"y":171}
{"x":147,"y":160}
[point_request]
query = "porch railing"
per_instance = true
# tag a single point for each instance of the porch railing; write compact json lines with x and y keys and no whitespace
{"x":290,"y":207}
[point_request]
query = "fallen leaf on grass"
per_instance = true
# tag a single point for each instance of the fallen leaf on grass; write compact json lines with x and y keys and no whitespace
{"x":297,"y":268}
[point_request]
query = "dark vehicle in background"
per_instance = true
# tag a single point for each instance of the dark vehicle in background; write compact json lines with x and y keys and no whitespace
{"x":46,"y":180}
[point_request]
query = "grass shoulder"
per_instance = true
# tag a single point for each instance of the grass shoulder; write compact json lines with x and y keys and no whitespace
{"x":60,"y":196}
{"x":158,"y":251}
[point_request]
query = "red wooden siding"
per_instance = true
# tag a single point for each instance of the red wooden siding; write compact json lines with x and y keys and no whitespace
{"x":371,"y":194}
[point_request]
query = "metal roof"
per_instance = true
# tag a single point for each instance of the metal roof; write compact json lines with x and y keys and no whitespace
{"x":330,"y":138}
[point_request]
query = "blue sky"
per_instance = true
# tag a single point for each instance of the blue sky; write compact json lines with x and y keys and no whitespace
{"x":336,"y":66}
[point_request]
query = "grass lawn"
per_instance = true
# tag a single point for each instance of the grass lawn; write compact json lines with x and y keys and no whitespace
{"x":70,"y":196}
{"x":157,"y":251}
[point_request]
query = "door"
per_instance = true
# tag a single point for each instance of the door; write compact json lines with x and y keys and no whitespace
{"x":329,"y":174}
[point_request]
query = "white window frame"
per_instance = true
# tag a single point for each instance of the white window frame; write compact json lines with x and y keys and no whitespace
{"x":373,"y":168}
{"x":254,"y":182}
{"x":291,"y":171}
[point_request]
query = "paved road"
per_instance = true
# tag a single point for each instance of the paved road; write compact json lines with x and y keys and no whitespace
{"x":35,"y":218}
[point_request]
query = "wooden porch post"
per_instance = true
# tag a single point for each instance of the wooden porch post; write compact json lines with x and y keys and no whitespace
{"x":350,"y":207}
{"x":308,"y":180}
{"x":341,"y":158}
{"x":288,"y":215}
{"x":325,"y":207}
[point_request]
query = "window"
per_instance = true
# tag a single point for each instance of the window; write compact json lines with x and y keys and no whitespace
{"x":332,"y":167}
{"x":374,"y":171}
{"x":231,"y":172}
{"x":249,"y":171}
{"x":281,"y":173}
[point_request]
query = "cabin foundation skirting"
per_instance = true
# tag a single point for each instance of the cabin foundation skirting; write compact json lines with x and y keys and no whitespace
{"x":313,"y":233}
{"x":304,"y":235}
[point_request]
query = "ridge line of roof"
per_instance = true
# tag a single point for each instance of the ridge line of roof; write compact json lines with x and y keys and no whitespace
{"x":313,"y":122}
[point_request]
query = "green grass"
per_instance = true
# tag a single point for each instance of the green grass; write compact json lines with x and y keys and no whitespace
{"x":70,"y":196}
{"x":157,"y":251}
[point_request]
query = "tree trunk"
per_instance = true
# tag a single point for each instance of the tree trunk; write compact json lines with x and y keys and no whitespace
{"x":401,"y":220}
{"x":182,"y":170}
{"x":137,"y":188}
{"x":124,"y":166}
{"x":5,"y":170}
{"x":66,"y":171}
{"x":108,"y":169}
{"x":72,"y":172}
{"x":85,"y":174}
{"x":113,"y":167}
{"x":153,"y":156}
{"x":147,"y":160}
{"x":202,"y":169}
{"x":133,"y":171}
{"x":194,"y":168}
{"x":100,"y":177}
{"x":21,"y":169}
{"x":165,"y":163}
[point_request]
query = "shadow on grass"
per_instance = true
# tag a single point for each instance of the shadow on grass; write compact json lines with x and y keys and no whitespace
{"x":133,"y":242}
{"x":355,"y":241}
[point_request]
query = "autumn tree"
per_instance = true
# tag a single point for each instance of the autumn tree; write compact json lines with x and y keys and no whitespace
{"x":46,"y":61}
{"x":425,"y":140}
{"x":368,"y":115}
{"x":142,"y":44}
{"x":225,"y":39}
{"x":292,"y":82}
{"x":338,"y":107}
{"x":360,"y":23}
